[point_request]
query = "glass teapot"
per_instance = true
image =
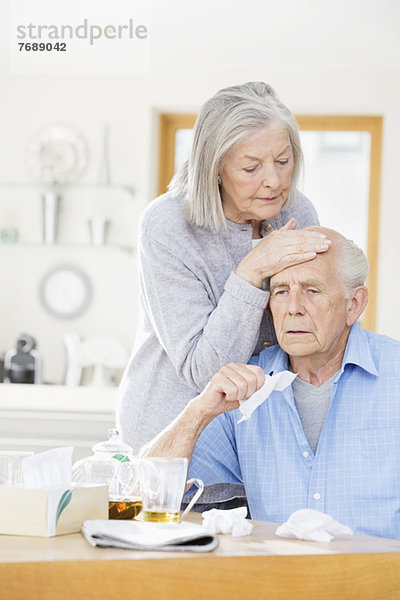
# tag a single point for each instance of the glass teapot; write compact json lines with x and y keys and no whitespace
{"x":112,"y":464}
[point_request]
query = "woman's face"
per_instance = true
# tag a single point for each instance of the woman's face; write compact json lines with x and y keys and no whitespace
{"x":256,"y":175}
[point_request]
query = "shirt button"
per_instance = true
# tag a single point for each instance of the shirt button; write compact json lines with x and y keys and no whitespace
{"x":267,"y":344}
{"x":306,"y":454}
{"x":317,"y":496}
{"x":268,"y":227}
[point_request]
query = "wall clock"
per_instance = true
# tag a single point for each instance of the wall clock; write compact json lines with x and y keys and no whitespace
{"x":65,"y":291}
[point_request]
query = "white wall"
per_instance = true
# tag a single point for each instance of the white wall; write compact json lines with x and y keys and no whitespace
{"x":28,"y":105}
{"x":333,"y":58}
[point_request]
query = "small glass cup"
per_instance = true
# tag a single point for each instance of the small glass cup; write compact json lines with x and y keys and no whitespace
{"x":125,"y":501}
{"x":11,"y":466}
{"x":162,"y":485}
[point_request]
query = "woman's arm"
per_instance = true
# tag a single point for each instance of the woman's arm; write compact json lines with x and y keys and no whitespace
{"x":199,"y":329}
{"x":199,"y":332}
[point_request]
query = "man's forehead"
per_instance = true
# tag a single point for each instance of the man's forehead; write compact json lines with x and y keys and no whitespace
{"x":319,"y":271}
{"x":324,"y":264}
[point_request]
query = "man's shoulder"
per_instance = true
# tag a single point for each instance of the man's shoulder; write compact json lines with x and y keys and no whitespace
{"x":383,"y":344}
{"x":378,"y":354}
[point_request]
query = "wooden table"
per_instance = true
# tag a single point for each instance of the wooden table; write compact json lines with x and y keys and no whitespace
{"x":261,"y":565}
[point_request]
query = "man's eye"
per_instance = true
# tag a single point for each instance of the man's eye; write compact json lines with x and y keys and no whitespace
{"x":313,"y":291}
{"x":250,"y":169}
{"x":283,"y":162}
{"x":279,"y":292}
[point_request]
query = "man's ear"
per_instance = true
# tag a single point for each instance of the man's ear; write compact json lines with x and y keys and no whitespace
{"x":356,"y":304}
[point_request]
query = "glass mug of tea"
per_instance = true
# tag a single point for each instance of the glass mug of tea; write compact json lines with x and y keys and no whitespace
{"x":162,"y":486}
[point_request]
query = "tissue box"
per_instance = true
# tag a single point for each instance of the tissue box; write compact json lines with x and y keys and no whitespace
{"x":47,"y":513}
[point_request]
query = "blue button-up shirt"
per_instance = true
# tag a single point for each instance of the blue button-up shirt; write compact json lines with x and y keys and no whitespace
{"x":355,"y":473}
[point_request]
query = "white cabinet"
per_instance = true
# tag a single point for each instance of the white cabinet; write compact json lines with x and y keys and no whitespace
{"x":40,"y":417}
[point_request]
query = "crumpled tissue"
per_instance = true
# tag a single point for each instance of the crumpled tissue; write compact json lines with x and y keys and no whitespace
{"x":227,"y":521}
{"x":313,"y":525}
{"x":277,"y":382}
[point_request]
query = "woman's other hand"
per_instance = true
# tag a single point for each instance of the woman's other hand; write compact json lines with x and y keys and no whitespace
{"x":281,"y":249}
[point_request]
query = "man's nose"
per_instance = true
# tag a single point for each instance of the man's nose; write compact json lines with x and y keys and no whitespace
{"x":295,"y":304}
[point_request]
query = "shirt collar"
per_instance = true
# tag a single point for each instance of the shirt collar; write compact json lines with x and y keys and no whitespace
{"x":280,"y":362}
{"x":357,"y":353}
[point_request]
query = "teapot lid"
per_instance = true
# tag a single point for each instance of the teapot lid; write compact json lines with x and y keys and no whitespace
{"x":113,"y":444}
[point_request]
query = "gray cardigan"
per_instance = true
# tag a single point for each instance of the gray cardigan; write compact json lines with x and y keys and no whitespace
{"x":196,"y":315}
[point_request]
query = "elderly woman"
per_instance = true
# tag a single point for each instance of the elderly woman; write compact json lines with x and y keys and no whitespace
{"x":206,"y":250}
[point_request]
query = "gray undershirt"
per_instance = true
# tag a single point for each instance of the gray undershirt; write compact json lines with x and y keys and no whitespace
{"x":312,"y":404}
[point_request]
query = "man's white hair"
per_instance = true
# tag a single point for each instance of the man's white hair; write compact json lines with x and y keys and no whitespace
{"x":352,"y":265}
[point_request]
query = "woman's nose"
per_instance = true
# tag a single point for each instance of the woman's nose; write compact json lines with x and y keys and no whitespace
{"x":270,"y":177}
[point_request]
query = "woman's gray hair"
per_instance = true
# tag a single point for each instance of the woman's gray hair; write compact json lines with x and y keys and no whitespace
{"x":223,"y":121}
{"x":352,"y":264}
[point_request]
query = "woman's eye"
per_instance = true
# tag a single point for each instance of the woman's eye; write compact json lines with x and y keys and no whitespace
{"x":283,"y":161}
{"x":250,"y":169}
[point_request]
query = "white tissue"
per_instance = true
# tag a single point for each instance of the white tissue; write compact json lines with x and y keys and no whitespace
{"x":227,"y":521}
{"x":49,"y":469}
{"x":277,"y":382}
{"x":309,"y":524}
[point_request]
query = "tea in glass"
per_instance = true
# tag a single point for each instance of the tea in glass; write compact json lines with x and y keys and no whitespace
{"x":162,"y":485}
{"x":124,"y":509}
{"x":161,"y":516}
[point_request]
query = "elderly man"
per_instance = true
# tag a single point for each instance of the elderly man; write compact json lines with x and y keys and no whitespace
{"x":331,"y":440}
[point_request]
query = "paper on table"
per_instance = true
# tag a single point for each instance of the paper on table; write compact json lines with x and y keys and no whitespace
{"x":135,"y":535}
{"x":277,"y":382}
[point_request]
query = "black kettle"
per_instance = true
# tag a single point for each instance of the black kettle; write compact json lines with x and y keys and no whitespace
{"x":23,"y":363}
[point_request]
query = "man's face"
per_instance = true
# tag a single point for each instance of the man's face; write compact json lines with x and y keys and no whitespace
{"x":309,"y":308}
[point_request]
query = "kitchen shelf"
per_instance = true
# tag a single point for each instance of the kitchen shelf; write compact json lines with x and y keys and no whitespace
{"x":58,"y":398}
{"x":61,"y":245}
{"x":39,"y":417}
{"x":65,"y":186}
{"x":62,"y":189}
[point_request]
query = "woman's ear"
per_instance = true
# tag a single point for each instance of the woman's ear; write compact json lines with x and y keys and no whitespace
{"x":356,"y":304}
